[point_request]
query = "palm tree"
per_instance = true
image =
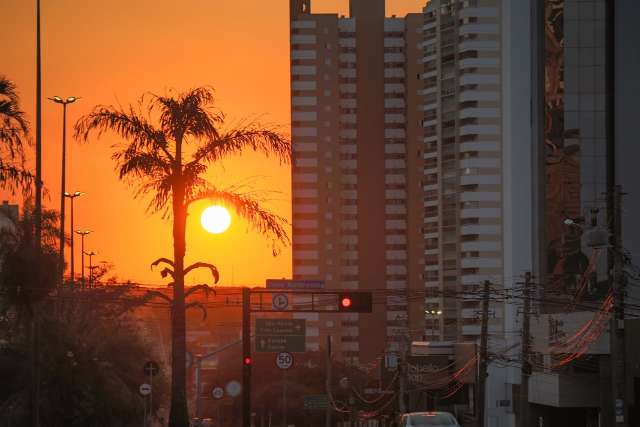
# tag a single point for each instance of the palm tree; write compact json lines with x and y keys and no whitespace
{"x":170,"y":143}
{"x":14,"y":130}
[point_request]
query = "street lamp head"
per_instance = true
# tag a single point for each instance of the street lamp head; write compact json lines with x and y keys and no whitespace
{"x":69,"y":100}
{"x":83,"y":232}
{"x":73,"y":195}
{"x":92,"y":253}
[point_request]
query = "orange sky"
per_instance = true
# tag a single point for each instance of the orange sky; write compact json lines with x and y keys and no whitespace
{"x":111,"y":52}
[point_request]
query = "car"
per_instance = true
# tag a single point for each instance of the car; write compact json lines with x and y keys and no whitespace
{"x":428,"y":419}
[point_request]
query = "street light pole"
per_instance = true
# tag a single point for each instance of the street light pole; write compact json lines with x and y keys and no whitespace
{"x":82,"y":233}
{"x":90,"y":255}
{"x":64,"y":102}
{"x":72,"y":196}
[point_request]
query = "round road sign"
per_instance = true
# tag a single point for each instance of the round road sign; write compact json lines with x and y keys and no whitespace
{"x":280,"y":302}
{"x":217,"y":393}
{"x":145,"y":389}
{"x":233,"y":388}
{"x":284,"y":360}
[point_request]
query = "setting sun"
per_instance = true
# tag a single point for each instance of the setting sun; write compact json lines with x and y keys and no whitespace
{"x":215,"y":219}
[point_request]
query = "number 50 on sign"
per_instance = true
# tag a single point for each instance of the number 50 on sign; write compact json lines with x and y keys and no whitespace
{"x":284,"y":360}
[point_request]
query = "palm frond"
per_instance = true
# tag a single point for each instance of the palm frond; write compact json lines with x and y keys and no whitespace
{"x":160,"y":188}
{"x":14,"y":132}
{"x":212,"y":268}
{"x":190,"y":114}
{"x":9,"y":107}
{"x":250,"y":209}
{"x":193,"y":289}
{"x":249,"y":135}
{"x":162,"y":261}
{"x":141,"y":164}
{"x":149,"y":295}
{"x":14,"y":177}
{"x":196,"y":304}
{"x":129,"y":125}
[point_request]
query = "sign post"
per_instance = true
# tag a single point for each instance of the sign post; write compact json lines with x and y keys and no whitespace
{"x":151,"y":368}
{"x":284,"y":361}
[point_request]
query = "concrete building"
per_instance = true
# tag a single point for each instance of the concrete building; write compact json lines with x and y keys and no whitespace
{"x":479,"y":86}
{"x":461,"y":85}
{"x":357,"y":167}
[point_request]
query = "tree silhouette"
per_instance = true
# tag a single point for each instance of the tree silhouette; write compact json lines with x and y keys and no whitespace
{"x":171,"y":142}
{"x":14,"y":130}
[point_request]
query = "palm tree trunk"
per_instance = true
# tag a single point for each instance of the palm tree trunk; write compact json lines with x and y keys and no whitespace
{"x":179,"y":414}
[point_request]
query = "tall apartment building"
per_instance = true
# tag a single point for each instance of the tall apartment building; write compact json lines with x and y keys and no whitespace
{"x":357,"y":169}
{"x":463,"y":160}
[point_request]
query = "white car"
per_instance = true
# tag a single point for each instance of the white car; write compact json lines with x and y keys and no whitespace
{"x":428,"y":419}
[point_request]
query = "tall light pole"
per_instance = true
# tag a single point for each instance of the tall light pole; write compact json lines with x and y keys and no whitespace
{"x":82,"y":233}
{"x":64,"y":103}
{"x":90,"y":255}
{"x":72,"y":196}
{"x":34,"y":370}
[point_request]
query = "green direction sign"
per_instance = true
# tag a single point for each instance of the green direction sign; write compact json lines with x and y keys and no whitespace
{"x":282,"y":327}
{"x":276,"y":335}
{"x":277,"y":344}
{"x":316,"y":402}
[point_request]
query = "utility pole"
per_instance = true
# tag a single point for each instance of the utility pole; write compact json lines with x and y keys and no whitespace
{"x":327,"y":416}
{"x":617,"y":338}
{"x":246,"y":357}
{"x":525,"y":369}
{"x":482,"y":367}
{"x":403,"y":368}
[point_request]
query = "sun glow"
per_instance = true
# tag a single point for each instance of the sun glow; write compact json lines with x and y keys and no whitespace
{"x":215,"y":219}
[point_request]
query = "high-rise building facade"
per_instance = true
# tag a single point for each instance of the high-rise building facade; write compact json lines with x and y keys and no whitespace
{"x":357,"y":163}
{"x":463,"y":161}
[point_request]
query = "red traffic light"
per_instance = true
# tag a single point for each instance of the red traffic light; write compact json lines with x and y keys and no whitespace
{"x":247,"y":361}
{"x":355,"y":302}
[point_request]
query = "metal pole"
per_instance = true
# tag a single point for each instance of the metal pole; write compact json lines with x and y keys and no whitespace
{"x":62,"y":190}
{"x":402,"y":366}
{"x":82,"y":244}
{"x":73,"y":270}
{"x":38,"y":202}
{"x":482,"y":371}
{"x":151,"y":397}
{"x":525,"y":369}
{"x":327,"y":416}
{"x":144,"y":411}
{"x":90,"y":270}
{"x":246,"y":356}
{"x":35,"y":367}
{"x":284,"y":398}
{"x":197,"y":375}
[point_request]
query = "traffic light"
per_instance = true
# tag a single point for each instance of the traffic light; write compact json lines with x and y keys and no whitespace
{"x":247,"y":361}
{"x":355,"y":302}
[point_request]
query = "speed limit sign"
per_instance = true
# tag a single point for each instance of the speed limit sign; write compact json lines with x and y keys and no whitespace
{"x":284,"y":360}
